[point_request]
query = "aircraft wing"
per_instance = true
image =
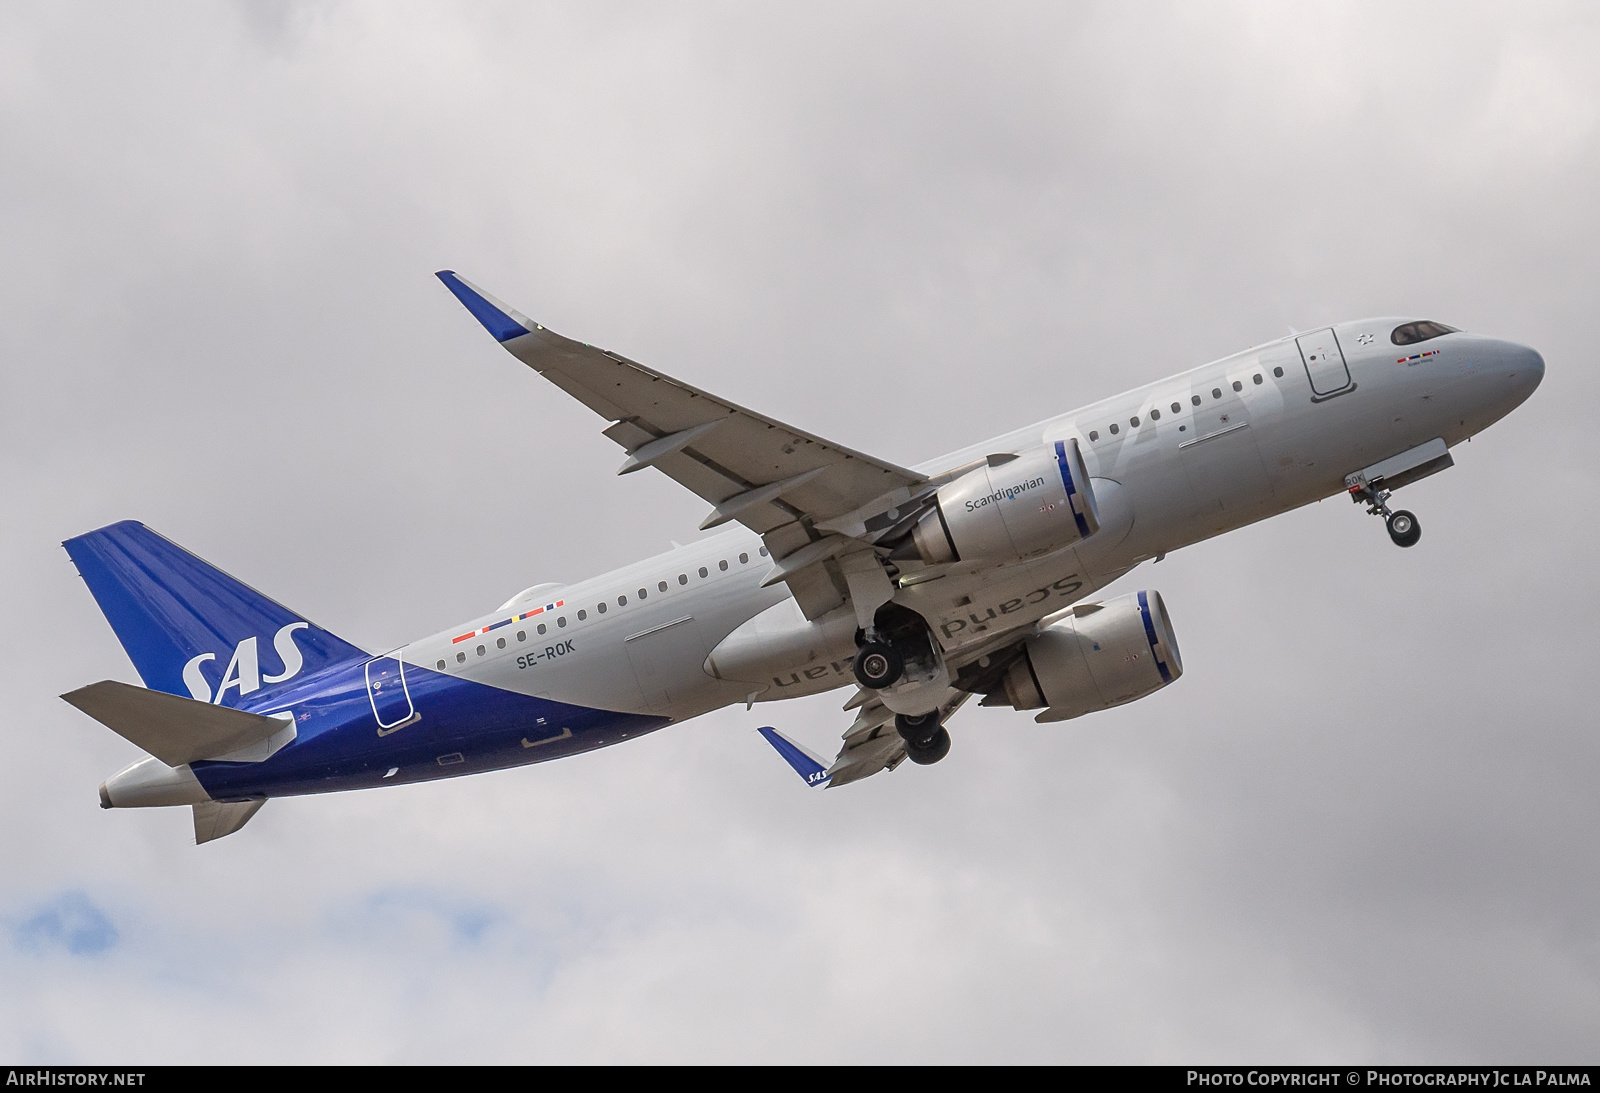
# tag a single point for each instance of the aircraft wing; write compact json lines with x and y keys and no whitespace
{"x":810,"y":499}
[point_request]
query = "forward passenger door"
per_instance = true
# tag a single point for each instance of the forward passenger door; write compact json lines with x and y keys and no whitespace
{"x":1324,"y":363}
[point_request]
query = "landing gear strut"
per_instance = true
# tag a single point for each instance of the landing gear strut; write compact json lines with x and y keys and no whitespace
{"x":1403,"y":527}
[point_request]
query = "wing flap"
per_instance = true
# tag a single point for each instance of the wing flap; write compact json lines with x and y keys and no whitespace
{"x":865,"y":753}
{"x":871,"y":743}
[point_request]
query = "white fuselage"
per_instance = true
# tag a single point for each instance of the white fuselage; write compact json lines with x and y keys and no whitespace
{"x":1172,"y":463}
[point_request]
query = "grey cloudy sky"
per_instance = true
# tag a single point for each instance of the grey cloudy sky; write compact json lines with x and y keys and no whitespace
{"x":1361,"y":827}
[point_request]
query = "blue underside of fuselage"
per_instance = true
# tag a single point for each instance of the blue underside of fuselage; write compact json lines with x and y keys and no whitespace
{"x":459,"y":727}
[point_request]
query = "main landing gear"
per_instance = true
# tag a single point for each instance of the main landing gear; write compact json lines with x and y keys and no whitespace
{"x":899,"y":659}
{"x":878,"y":665}
{"x":927,"y":741}
{"x":1403,"y":527}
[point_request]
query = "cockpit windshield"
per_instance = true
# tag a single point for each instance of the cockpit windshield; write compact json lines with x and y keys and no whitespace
{"x":1411,"y":333}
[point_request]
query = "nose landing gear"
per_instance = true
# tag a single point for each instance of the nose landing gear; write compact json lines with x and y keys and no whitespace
{"x":1404,"y":529}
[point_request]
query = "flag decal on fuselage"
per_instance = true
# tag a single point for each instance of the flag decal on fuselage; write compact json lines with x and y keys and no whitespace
{"x":470,"y":634}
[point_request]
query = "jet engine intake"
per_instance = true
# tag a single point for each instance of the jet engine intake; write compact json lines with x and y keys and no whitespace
{"x":1005,"y":512}
{"x":1103,"y":655}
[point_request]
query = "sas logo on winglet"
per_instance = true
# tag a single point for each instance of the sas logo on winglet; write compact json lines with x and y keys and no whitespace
{"x":244,"y":670}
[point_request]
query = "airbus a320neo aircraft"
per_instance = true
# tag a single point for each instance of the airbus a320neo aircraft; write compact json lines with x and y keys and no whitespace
{"x":919,"y":587}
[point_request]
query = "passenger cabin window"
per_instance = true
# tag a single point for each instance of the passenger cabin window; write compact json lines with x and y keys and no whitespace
{"x":1177,"y":407}
{"x":543,"y":628}
{"x":661,"y":585}
{"x":762,"y":552}
{"x":601,"y":607}
{"x":723,"y":565}
{"x":1113,"y":429}
{"x":461,"y":658}
{"x":1094,"y":434}
{"x":1278,"y":372}
{"x":744,"y":559}
{"x":1216,"y":392}
{"x":683,"y":578}
{"x":500,"y":643}
{"x":522,"y":635}
{"x":582,"y":615}
{"x":703,"y":572}
{"x":441,"y":666}
{"x":1195,"y":399}
{"x":643,"y":594}
{"x":1411,"y":333}
{"x":1257,"y":378}
{"x":480,"y":650}
{"x":1237,"y":386}
{"x":1155,"y":415}
{"x":561,"y":620}
{"x":622,"y":601}
{"x":1134,"y":422}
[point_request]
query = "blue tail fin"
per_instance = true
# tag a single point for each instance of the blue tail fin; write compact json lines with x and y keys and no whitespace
{"x":189,"y":628}
{"x":806,"y":765}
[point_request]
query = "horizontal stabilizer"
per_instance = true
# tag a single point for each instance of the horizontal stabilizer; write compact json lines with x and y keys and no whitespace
{"x":173,"y":729}
{"x":215,"y":819}
{"x":808,"y":766}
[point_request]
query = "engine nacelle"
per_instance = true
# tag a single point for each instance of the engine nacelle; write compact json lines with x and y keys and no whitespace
{"x":1039,"y":502}
{"x":1121,"y":651}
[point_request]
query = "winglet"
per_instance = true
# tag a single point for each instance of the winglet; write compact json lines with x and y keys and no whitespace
{"x":808,"y":766}
{"x":503,"y":322}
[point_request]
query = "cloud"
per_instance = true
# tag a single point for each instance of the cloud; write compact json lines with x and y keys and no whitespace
{"x":70,"y":922}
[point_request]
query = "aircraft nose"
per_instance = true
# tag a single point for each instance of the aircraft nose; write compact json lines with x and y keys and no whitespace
{"x":1524,"y":367}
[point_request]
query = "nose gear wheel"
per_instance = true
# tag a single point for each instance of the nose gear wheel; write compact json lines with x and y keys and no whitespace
{"x":1404,"y":528}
